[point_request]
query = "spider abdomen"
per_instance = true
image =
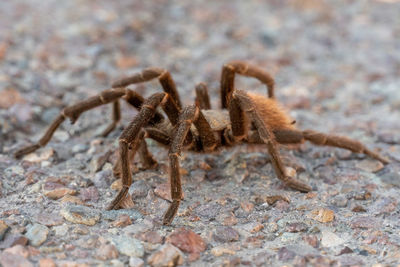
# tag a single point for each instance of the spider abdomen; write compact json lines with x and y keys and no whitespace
{"x":272,"y":112}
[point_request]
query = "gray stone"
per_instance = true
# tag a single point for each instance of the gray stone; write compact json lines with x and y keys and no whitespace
{"x":12,"y":260}
{"x":296,"y":227}
{"x":136,"y":262}
{"x":285,"y":254}
{"x":37,"y":234}
{"x":116,"y":263}
{"x":80,"y":214}
{"x":139,"y":189}
{"x":339,"y":201}
{"x":391,"y":178}
{"x":225,"y":234}
{"x":103,"y":179}
{"x":61,"y":230}
{"x":330,"y":239}
{"x":128,"y":246}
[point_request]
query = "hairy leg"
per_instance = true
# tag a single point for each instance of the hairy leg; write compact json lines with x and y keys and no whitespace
{"x":321,"y":139}
{"x":158,"y":135}
{"x":228,"y":78}
{"x":202,"y":97}
{"x":342,"y":142}
{"x":116,"y":116}
{"x":148,"y":74}
{"x":188,"y":116}
{"x":128,"y":139}
{"x":136,"y":100}
{"x":73,"y":112}
{"x":247,"y":106}
{"x":145,"y":156}
{"x":130,"y":136}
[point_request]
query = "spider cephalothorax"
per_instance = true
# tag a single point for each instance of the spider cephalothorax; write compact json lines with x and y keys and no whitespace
{"x":245,"y":117}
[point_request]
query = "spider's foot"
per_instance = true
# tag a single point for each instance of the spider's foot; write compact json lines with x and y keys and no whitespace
{"x":296,"y":184}
{"x":26,"y":150}
{"x":171,"y":212}
{"x":116,"y":203}
{"x":377,"y":156}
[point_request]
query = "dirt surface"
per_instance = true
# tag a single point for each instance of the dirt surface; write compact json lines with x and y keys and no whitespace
{"x":337,"y":68}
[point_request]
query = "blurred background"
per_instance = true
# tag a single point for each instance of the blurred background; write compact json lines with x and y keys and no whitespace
{"x":331,"y":58}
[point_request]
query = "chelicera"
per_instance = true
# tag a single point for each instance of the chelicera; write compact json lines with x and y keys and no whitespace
{"x":244,"y":118}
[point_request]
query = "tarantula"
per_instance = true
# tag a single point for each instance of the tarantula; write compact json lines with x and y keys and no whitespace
{"x":245,"y":117}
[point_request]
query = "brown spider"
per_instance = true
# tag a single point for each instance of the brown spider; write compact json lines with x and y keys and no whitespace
{"x":245,"y":117}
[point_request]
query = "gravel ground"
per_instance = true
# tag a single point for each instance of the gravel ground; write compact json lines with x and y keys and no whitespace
{"x":337,"y":68}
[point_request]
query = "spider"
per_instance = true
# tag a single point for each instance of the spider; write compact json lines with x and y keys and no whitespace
{"x":244,"y":118}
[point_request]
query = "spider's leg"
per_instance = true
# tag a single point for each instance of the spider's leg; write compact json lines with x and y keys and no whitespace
{"x":73,"y":112}
{"x":228,"y":78}
{"x":247,"y":106}
{"x":148,"y":74}
{"x":342,"y":142}
{"x":145,"y":156}
{"x":284,"y":136}
{"x":116,"y":116}
{"x":158,"y":135}
{"x":129,"y":138}
{"x":187,"y":117}
{"x":207,"y":137}
{"x":202,"y":97}
{"x":136,"y":100}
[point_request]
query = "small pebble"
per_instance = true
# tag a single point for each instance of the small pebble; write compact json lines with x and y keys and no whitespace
{"x":330,"y":239}
{"x":46,"y":262}
{"x":12,"y":240}
{"x":225,"y":234}
{"x":323,"y":215}
{"x":37,"y":234}
{"x":40,"y":156}
{"x":49,"y":219}
{"x":339,"y":201}
{"x":139,"y":189}
{"x":219,"y":251}
{"x":80,"y":214}
{"x":106,"y":252}
{"x":296,"y":227}
{"x":61,"y":230}
{"x":116,"y":263}
{"x":71,"y":199}
{"x":98,"y":161}
{"x":370,"y":165}
{"x":363,"y":223}
{"x":3,"y":229}
{"x":122,"y":221}
{"x":285,"y":254}
{"x":12,"y":260}
{"x":187,"y":241}
{"x":128,"y":246}
{"x":89,"y":194}
{"x":152,"y":237}
{"x":163,"y":191}
{"x":136,"y":262}
{"x":18,"y":250}
{"x":165,"y":256}
{"x":54,"y":190}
